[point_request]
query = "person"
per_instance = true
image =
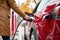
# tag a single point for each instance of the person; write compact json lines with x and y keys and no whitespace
{"x":5,"y":6}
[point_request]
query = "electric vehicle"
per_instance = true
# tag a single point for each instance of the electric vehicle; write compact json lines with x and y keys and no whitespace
{"x":46,"y":21}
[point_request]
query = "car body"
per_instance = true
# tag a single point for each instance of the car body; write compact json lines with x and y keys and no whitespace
{"x":46,"y":25}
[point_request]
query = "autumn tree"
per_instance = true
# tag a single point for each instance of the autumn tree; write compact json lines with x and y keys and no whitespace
{"x":24,"y":6}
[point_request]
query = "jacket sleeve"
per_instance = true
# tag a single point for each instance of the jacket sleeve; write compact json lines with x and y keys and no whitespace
{"x":15,"y":8}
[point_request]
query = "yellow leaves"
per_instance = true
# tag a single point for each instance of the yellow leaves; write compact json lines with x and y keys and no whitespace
{"x":25,"y":8}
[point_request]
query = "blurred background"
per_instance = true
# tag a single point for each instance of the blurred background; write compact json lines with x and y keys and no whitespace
{"x":19,"y":28}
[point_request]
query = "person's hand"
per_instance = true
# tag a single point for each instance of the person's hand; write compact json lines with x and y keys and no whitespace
{"x":27,"y":18}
